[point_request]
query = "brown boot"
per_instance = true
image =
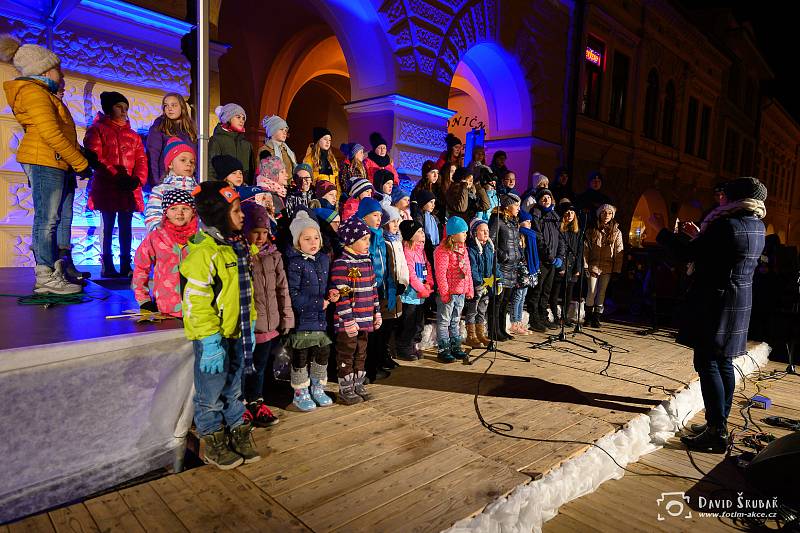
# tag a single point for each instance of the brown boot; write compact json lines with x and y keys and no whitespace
{"x":480,"y":332}
{"x":472,"y":340}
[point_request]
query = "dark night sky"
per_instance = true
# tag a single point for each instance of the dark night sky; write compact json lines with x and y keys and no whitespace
{"x":775,"y":23}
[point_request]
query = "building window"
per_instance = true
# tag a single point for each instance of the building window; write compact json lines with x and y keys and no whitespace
{"x":651,"y":105}
{"x":668,"y":121}
{"x":593,"y":82}
{"x":691,"y":126}
{"x":619,"y":89}
{"x":731,"y":154}
{"x":705,"y":126}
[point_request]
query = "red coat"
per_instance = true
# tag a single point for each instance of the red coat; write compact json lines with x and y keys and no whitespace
{"x":371,"y":167}
{"x":121,"y":154}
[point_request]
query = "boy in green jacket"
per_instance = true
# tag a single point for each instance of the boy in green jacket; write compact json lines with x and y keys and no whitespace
{"x":218,"y":316}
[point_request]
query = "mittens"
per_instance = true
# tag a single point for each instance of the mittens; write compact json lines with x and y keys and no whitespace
{"x":351,"y":328}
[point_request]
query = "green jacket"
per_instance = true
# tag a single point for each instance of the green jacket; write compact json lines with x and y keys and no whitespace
{"x":211,"y":289}
{"x":231,"y":143}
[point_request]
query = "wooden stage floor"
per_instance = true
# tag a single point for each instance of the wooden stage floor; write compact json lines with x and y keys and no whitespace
{"x":415,"y":458}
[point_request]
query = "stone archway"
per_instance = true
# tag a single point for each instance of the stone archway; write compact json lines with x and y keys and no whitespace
{"x":641,"y":232}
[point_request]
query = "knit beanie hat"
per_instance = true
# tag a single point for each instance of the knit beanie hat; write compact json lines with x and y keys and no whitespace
{"x":108,"y":99}
{"x":302,"y":166}
{"x":328,"y":215}
{"x":509,"y":199}
{"x":452,"y":140}
{"x":358,"y":186}
{"x":302,"y":220}
{"x":423,"y":197}
{"x":398,"y":194}
{"x":741,"y":188}
{"x":255,"y":217}
{"x":174,"y":147}
{"x":455,"y":225}
{"x":565,"y":205}
{"x":271,"y":166}
{"x":368,"y":205}
{"x":350,"y":150}
{"x":461,"y":174}
{"x":408,"y":228}
{"x":382,"y":176}
{"x":320,"y":132}
{"x":538,"y":178}
{"x":225,"y":164}
{"x":390,"y":213}
{"x":273,"y":123}
{"x":28,"y":59}
{"x":427,"y":166}
{"x":228,"y":111}
{"x":473,"y":226}
{"x":213,"y":200}
{"x":376,"y":139}
{"x":174,"y":196}
{"x":323,"y":187}
{"x":248,"y":192}
{"x":351,"y":230}
{"x":524,"y":216}
{"x":543,"y":192}
{"x":607,"y":207}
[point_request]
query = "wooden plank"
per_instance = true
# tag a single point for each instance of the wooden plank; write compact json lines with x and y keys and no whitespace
{"x":110,"y":513}
{"x":186,"y":505}
{"x":33,"y":524}
{"x":75,"y":519}
{"x":390,"y":487}
{"x":150,"y":510}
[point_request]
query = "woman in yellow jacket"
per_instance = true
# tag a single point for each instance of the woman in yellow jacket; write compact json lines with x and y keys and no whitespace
{"x":48,"y":150}
{"x":322,"y":161}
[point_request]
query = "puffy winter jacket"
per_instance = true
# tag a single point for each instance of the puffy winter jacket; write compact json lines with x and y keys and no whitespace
{"x":156,"y":141}
{"x":371,"y":166}
{"x":153,"y":211}
{"x":571,"y":242}
{"x":160,"y":253}
{"x":271,"y":292}
{"x":452,"y":270}
{"x":331,"y":174}
{"x":121,"y":155}
{"x":547,"y":226}
{"x":308,"y":283}
{"x":481,"y":260}
{"x":603,"y":249}
{"x":50,"y":138}
{"x":465,"y":203}
{"x":211,"y":289}
{"x":507,"y":245}
{"x":231,"y":143}
{"x":420,"y":275}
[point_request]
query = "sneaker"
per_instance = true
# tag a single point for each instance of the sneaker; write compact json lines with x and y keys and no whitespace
{"x":259,"y":415}
{"x":217,"y":453}
{"x":52,"y":280}
{"x":242,"y":443}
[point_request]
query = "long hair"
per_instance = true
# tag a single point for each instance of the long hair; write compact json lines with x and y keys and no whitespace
{"x":315,"y":150}
{"x":445,"y":180}
{"x":183,"y":124}
{"x":356,"y":167}
{"x":569,"y":226}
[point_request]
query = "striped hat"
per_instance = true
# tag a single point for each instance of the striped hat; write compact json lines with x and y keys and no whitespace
{"x":174,"y":147}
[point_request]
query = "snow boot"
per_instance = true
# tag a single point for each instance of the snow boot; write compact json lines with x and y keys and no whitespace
{"x":444,"y":354}
{"x":347,"y":394}
{"x":472,"y":340}
{"x":217,"y":453}
{"x":242,"y":443}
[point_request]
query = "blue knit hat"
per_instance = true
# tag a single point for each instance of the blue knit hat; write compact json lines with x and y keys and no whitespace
{"x":398,"y":194}
{"x":524,"y":215}
{"x":328,"y":215}
{"x":351,"y":230}
{"x":456,"y":225}
{"x":368,"y":205}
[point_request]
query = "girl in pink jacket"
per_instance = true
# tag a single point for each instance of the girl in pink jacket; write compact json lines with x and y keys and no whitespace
{"x":454,"y":285}
{"x":420,"y":286}
{"x":162,"y":251}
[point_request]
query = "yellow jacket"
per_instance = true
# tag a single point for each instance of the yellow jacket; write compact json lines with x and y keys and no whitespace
{"x":50,"y":138}
{"x":315,"y":174}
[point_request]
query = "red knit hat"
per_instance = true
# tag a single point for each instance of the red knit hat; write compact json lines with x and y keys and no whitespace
{"x":175,"y":146}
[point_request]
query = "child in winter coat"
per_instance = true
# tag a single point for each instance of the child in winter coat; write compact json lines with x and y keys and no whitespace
{"x":175,"y":122}
{"x":570,"y":235}
{"x":419,"y":288}
{"x":325,"y":193}
{"x":383,"y":181}
{"x":530,"y":251}
{"x":390,"y":292}
{"x":300,"y":194}
{"x":273,"y":306}
{"x":484,"y":277}
{"x":360,"y":189}
{"x":308,"y":279}
{"x":378,"y":159}
{"x":603,"y":256}
{"x":454,"y":285}
{"x":228,"y":169}
{"x":217,"y":274}
{"x":179,"y":159}
{"x":402,"y":201}
{"x":504,"y":224}
{"x":162,"y":251}
{"x":353,"y":165}
{"x":116,"y":188}
{"x":357,"y":311}
{"x":546,"y":223}
{"x":321,"y":160}
{"x":228,"y":138}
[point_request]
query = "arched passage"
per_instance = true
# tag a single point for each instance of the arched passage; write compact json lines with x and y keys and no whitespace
{"x":319,"y":102}
{"x":641,"y":231}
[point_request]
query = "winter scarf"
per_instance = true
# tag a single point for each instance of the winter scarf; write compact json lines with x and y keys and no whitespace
{"x":276,"y":149}
{"x":530,"y":248}
{"x":180,"y":234}
{"x":377,"y":250}
{"x":271,"y":186}
{"x":382,"y":162}
{"x":730,"y":209}
{"x":52,"y":86}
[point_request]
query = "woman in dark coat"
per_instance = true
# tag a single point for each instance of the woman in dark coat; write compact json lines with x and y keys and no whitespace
{"x":724,"y":251}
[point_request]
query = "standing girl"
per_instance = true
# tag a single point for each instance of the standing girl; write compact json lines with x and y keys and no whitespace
{"x":353,"y":164}
{"x":229,"y":139}
{"x":454,"y":284}
{"x":175,"y":121}
{"x":571,"y":238}
{"x":319,"y":156}
{"x":378,"y":159}
{"x":505,"y":225}
{"x":118,"y":180}
{"x":603,"y":257}
{"x":430,"y":175}
{"x":300,"y":194}
{"x":419,"y":288}
{"x":530,"y":252}
{"x":484,"y":277}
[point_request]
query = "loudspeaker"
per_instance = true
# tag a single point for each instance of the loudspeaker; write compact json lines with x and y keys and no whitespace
{"x":776,"y":469}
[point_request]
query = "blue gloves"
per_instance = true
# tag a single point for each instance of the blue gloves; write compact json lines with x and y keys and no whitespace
{"x":253,"y":333}
{"x":213,"y":355}
{"x":558,"y":262}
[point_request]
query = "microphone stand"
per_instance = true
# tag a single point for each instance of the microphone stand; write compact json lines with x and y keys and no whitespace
{"x":492,"y":347}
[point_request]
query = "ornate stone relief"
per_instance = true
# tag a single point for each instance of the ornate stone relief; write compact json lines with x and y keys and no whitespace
{"x":419,"y":135}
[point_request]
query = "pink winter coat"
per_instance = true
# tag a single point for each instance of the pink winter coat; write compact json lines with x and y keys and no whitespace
{"x":453,"y":271}
{"x":160,"y":253}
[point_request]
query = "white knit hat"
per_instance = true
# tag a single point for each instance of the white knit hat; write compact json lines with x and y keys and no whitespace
{"x":301,"y":221}
{"x":273,"y":123}
{"x":29,"y":59}
{"x":228,"y":111}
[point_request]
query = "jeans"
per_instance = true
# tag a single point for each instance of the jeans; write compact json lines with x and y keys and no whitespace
{"x":253,"y":384}
{"x":517,"y":303}
{"x":448,"y":317}
{"x":475,"y":309}
{"x":217,"y":397}
{"x":125,"y":234}
{"x":53,"y":194}
{"x":717,"y":383}
{"x":539,"y":297}
{"x":597,"y":291}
